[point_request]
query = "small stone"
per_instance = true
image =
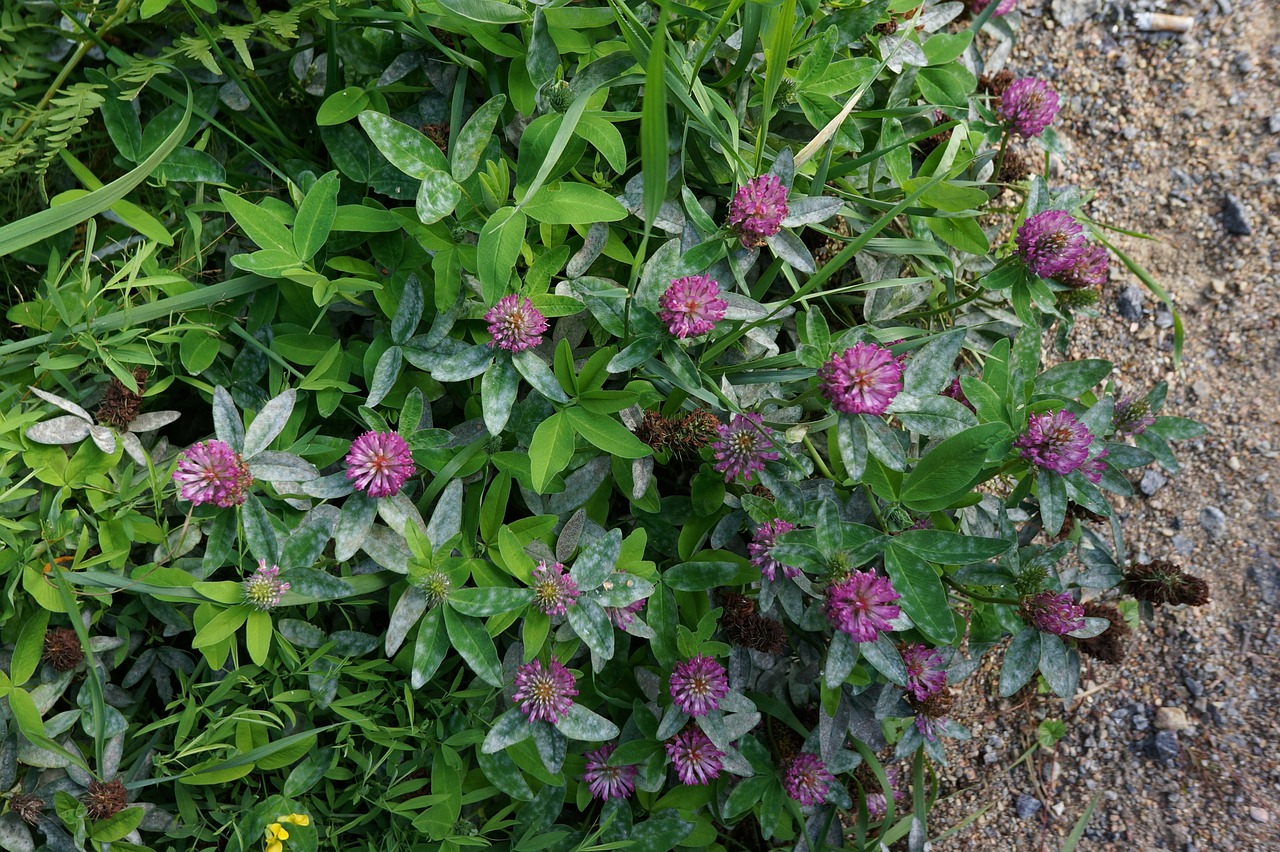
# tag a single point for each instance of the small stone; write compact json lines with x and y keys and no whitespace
{"x":1172,"y":719}
{"x":1164,"y":318}
{"x":1265,"y":573}
{"x":1259,"y":815}
{"x":1235,"y":217}
{"x":1233,"y":463}
{"x":1164,"y":746}
{"x":1072,"y":12}
{"x":1195,"y":687}
{"x":1273,"y":123}
{"x":1129,"y":303}
{"x":1213,"y":521}
{"x":1027,"y":806}
{"x":1151,"y":482}
{"x":1183,"y":545}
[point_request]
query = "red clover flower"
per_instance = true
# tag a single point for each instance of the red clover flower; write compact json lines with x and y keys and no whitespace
{"x":863,"y":379}
{"x":1028,"y":106}
{"x":554,"y":591}
{"x":379,"y":463}
{"x":806,"y":779}
{"x":692,"y":306}
{"x":544,"y":694}
{"x":925,"y":672}
{"x":1055,"y":441}
{"x":696,"y":760}
{"x":757,"y":210}
{"x":697,"y":685}
{"x":761,"y":546}
{"x":263,"y":589}
{"x":515,"y":325}
{"x":1050,"y":243}
{"x":212,"y":472}
{"x":744,"y":445}
{"x":1053,"y":612}
{"x":608,"y":782}
{"x":862,"y":605}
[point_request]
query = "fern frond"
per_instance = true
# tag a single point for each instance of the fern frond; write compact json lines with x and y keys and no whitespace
{"x":66,"y":115}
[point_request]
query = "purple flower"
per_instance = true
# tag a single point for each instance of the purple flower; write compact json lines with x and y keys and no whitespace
{"x":1028,"y":106}
{"x":1003,"y":8}
{"x":263,"y":589}
{"x":757,"y":210}
{"x":544,"y":693}
{"x":925,"y":672}
{"x":697,"y":685}
{"x":806,"y":779}
{"x":761,"y":546}
{"x":515,"y":325}
{"x":1053,"y":612}
{"x":1095,"y":467}
{"x":928,"y":727}
{"x":744,"y":445}
{"x":1131,"y":416}
{"x":1055,"y":441}
{"x":1050,"y":243}
{"x":605,"y":781}
{"x":956,"y":392}
{"x":696,"y":760}
{"x":877,"y":806}
{"x":691,"y":306}
{"x":554,"y":591}
{"x":379,"y":463}
{"x":212,"y":472}
{"x":1088,"y":270}
{"x":622,"y":616}
{"x":863,"y":379}
{"x":862,"y":605}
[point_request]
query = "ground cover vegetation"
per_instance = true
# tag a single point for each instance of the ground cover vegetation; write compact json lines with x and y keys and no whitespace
{"x":442,"y":424}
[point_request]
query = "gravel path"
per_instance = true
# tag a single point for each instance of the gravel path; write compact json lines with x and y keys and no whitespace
{"x":1180,"y":135}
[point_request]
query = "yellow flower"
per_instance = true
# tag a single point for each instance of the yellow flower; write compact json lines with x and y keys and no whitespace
{"x":276,"y":833}
{"x":297,"y":819}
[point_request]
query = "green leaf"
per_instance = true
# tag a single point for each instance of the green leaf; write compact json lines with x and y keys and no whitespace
{"x":222,"y":626}
{"x":950,"y":548}
{"x":258,"y":225}
{"x":1071,"y":379}
{"x":606,"y":433}
{"x":342,"y":106}
{"x":258,"y":630}
{"x":565,"y":203}
{"x":485,"y":11}
{"x":923,"y":596}
{"x":258,"y":532}
{"x":1051,"y":489}
{"x":489,"y":600}
{"x":470,"y":142}
{"x":550,"y":450}
{"x":950,"y":467}
{"x":1020,"y":661}
{"x":960,"y":232}
{"x":700,"y":576}
{"x":315,"y":217}
{"x":192,"y":166}
{"x":498,"y":389}
{"x":842,"y":656}
{"x":29,"y":647}
{"x":117,"y":826}
{"x":475,"y":645}
{"x":582,"y":724}
{"x":1055,"y":665}
{"x":429,"y":649}
{"x":539,"y":375}
{"x":497,"y":251}
{"x":403,"y":146}
{"x":437,"y":196}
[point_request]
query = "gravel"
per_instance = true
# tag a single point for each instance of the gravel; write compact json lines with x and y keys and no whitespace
{"x":1165,"y":127}
{"x":1235,"y":217}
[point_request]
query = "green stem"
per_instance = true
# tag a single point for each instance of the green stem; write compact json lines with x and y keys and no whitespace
{"x":1004,"y":149}
{"x":817,"y":459}
{"x":977,"y":597}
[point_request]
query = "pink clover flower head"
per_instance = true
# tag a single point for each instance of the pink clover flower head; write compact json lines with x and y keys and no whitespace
{"x":698,"y":684}
{"x":515,"y":324}
{"x":1028,"y":106}
{"x":925,"y":673}
{"x":744,"y":445}
{"x":696,"y":760}
{"x":1050,"y":243}
{"x":757,"y":210}
{"x":928,"y":726}
{"x":622,"y":616}
{"x":1088,"y":270}
{"x":1003,"y":7}
{"x":761,"y":546}
{"x":863,"y":379}
{"x":876,"y":802}
{"x":379,"y":463}
{"x":862,"y":605}
{"x":544,"y":694}
{"x":554,"y":591}
{"x":1131,"y":416}
{"x":263,"y":589}
{"x":806,"y":779}
{"x":608,"y":782}
{"x":1095,"y":467}
{"x":691,"y":306}
{"x":1053,"y":612}
{"x":1055,"y":441}
{"x":956,"y":392}
{"x":212,"y":472}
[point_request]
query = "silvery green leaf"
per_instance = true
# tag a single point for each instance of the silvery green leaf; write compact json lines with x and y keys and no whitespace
{"x":133,"y":447}
{"x":437,"y":196}
{"x":152,"y":420}
{"x":734,"y":762}
{"x":592,"y":245}
{"x":931,"y":366}
{"x":498,"y":388}
{"x":1092,"y":627}
{"x":274,"y":466}
{"x":14,"y":834}
{"x":398,"y":511}
{"x":259,"y":534}
{"x":309,"y":538}
{"x":354,"y":522}
{"x":579,"y":486}
{"x":467,"y":364}
{"x":570,"y":534}
{"x":327,"y":487}
{"x":387,"y":548}
{"x":312,"y":584}
{"x":352,"y":643}
{"x":226,"y":420}
{"x":66,"y":429}
{"x":784,"y":166}
{"x":269,"y":423}
{"x":596,"y":561}
{"x":884,"y":657}
{"x":409,"y":312}
{"x":789,"y":248}
{"x":887,"y":302}
{"x":899,"y":50}
{"x":622,"y":588}
{"x":65,"y":404}
{"x":552,"y":746}
{"x":408,"y":609}
{"x":736,"y":702}
{"x":842,"y":656}
{"x":33,"y":755}
{"x":742,"y":308}
{"x":47,"y":694}
{"x":641,"y":476}
{"x":300,"y":633}
{"x":673,"y":719}
{"x":582,"y":724}
{"x":102,"y":644}
{"x":591,"y":623}
{"x":809,"y":210}
{"x":104,"y":438}
{"x":510,"y":728}
{"x":385,"y":373}
{"x":665,"y":264}
{"x":446,"y":520}
{"x":937,"y":17}
{"x":539,"y":375}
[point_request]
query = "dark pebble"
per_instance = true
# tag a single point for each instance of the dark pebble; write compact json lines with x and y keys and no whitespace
{"x":1235,"y":217}
{"x":1027,"y":806}
{"x":1129,"y":303}
{"x":1164,"y":746}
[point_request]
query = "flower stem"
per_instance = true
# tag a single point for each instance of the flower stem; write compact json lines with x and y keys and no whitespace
{"x":975,"y":596}
{"x":817,"y":459}
{"x":1004,"y":149}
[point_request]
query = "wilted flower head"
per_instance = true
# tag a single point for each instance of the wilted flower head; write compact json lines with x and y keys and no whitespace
{"x":806,"y":779}
{"x":1028,"y":106}
{"x":691,"y":306}
{"x":743,"y":626}
{"x":1088,"y":270}
{"x":119,"y":406}
{"x":932,"y":712}
{"x":544,"y":694}
{"x":956,"y":392}
{"x":696,"y":760}
{"x":1055,"y":441}
{"x":516,"y":325}
{"x":62,"y":649}
{"x":554,"y":591}
{"x":744,"y":446}
{"x":379,"y":463}
{"x":1050,"y":243}
{"x":1003,"y":7}
{"x":761,"y":547}
{"x":1164,"y":582}
{"x":605,"y":781}
{"x":263,"y":588}
{"x":757,"y":210}
{"x":1108,"y":645}
{"x":1131,"y":416}
{"x":862,"y":605}
{"x":212,"y":472}
{"x":622,"y":616}
{"x":1053,"y":612}
{"x":863,"y":379}
{"x":925,"y":671}
{"x":28,"y":808}
{"x":698,"y":684}
{"x":105,"y":800}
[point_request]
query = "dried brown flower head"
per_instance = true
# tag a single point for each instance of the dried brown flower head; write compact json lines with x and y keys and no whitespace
{"x":888,"y":27}
{"x":27,"y":808}
{"x":103,"y":801}
{"x":654,"y":430}
{"x":1109,"y":645}
{"x":761,"y":491}
{"x":743,"y":627}
{"x":694,"y":431}
{"x":119,"y":406}
{"x":997,"y":83}
{"x":936,"y":706}
{"x":1164,"y":582}
{"x":1015,"y":168}
{"x":62,"y":649}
